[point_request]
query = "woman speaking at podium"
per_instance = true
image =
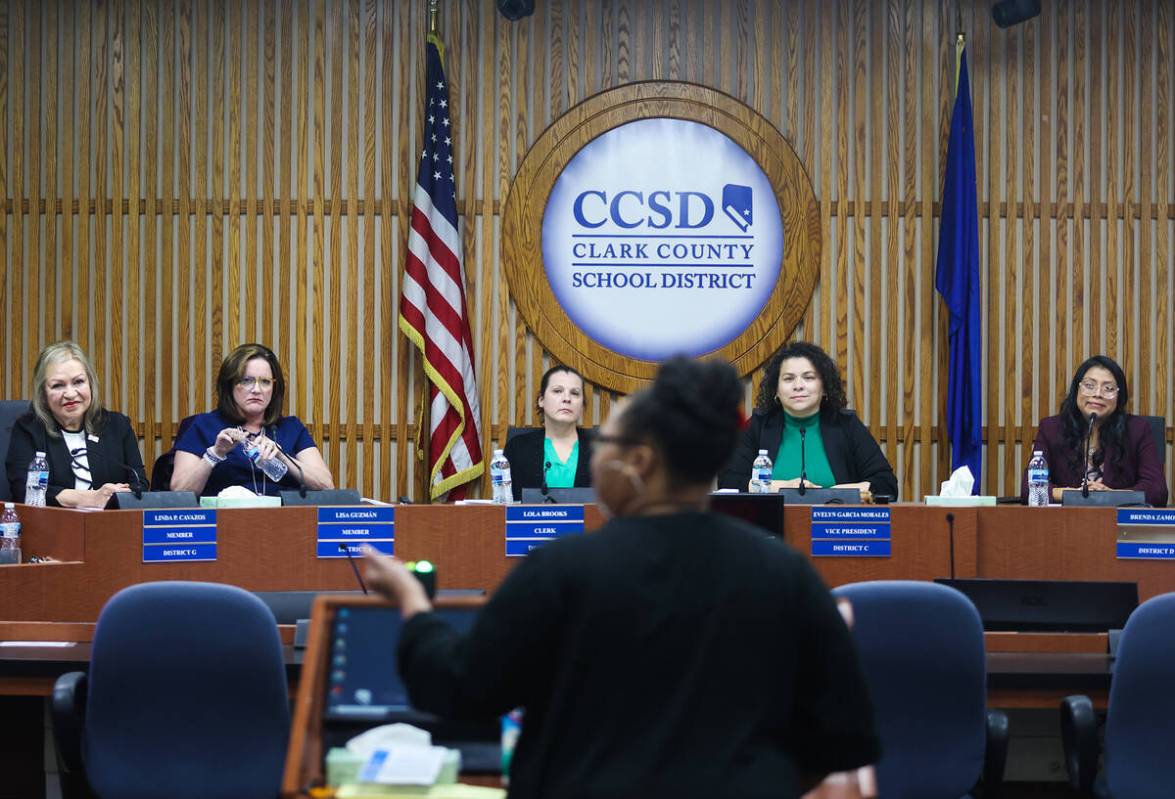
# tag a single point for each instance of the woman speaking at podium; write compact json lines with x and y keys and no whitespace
{"x":801,"y":420}
{"x":92,"y":452}
{"x":1121,"y":448}
{"x":673,"y":652}
{"x":557,"y":455}
{"x":210,"y":454}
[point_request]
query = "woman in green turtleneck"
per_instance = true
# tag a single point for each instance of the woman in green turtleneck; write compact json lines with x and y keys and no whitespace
{"x":802,"y":399}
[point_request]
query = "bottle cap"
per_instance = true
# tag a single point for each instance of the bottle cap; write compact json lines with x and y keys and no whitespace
{"x":7,"y":506}
{"x":497,"y":452}
{"x":762,"y":452}
{"x":40,"y":454}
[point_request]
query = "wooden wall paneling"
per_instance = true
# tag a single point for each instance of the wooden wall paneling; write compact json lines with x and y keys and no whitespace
{"x":237,"y":297}
{"x":33,"y":334}
{"x":909,"y":245}
{"x":1046,"y":317}
{"x":263,"y":79}
{"x":67,"y":86}
{"x":10,"y":192}
{"x":1161,"y":264}
{"x":16,"y":263}
{"x":483,"y":128}
{"x":926,"y":330}
{"x":405,"y":159}
{"x":328,"y":361}
{"x":371,"y":321}
{"x":115,"y":234}
{"x":389,"y":309}
{"x":49,"y":115}
{"x":217,"y":288}
{"x":353,"y":383}
{"x":186,"y":33}
{"x":147,"y":364}
{"x":888,"y":314}
{"x":99,"y":33}
{"x":313,"y":356}
{"x":130,"y":366}
{"x":302,"y":109}
{"x":198,"y":307}
{"x":1064,"y":292}
{"x":281,"y":170}
{"x":866,"y":187}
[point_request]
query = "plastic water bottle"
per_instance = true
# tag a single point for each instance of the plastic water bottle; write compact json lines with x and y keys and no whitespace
{"x":500,"y":479}
{"x":761,"y":474}
{"x":37,"y":483}
{"x":9,"y":535}
{"x":1038,"y":480}
{"x":274,"y":468}
{"x":511,"y":729}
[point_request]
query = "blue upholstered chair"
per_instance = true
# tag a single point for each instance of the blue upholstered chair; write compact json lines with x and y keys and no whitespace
{"x":186,"y":697}
{"x":1138,"y":735}
{"x":921,"y":647}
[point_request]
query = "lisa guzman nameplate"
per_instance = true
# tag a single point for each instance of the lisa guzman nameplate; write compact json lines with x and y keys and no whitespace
{"x":343,"y":529}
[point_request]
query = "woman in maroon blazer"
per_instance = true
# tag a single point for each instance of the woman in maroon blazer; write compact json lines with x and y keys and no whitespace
{"x":1122,"y":452}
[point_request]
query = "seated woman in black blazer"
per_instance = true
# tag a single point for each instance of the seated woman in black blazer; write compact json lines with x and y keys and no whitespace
{"x":553,"y":456}
{"x":92,"y":452}
{"x":802,"y":390}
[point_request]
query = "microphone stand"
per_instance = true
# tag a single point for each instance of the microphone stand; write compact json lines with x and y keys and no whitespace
{"x":544,"y":489}
{"x":347,"y":551}
{"x":803,"y":462}
{"x":951,"y":532}
{"x":301,"y":474}
{"x":1085,"y":459}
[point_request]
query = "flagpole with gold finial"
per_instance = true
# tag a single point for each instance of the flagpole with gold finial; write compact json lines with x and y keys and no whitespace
{"x":433,"y":12}
{"x":960,"y":43}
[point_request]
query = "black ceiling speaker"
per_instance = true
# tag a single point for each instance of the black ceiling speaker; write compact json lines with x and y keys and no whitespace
{"x":1007,"y":13}
{"x":517,"y":9}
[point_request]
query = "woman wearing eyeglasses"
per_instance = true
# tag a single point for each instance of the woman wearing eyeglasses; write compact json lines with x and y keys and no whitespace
{"x":210,"y":455}
{"x":1122,"y":453}
{"x":92,"y":452}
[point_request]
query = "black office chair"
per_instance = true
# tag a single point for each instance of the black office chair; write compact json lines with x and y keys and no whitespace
{"x":10,"y":411}
{"x":186,"y":697}
{"x":1158,"y":425}
{"x":164,"y":465}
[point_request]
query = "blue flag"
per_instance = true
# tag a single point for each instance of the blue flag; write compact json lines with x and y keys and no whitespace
{"x":957,"y":280}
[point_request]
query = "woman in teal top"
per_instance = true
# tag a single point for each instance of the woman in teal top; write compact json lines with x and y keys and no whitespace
{"x":556,"y":455}
{"x":802,"y":399}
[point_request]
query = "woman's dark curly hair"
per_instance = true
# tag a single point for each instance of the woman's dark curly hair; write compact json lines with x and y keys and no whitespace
{"x":1111,"y":434}
{"x":834,"y":388}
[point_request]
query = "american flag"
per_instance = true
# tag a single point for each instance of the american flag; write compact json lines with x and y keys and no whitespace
{"x":432,"y":305}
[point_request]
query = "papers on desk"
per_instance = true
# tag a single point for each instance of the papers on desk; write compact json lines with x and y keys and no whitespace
{"x":404,"y":764}
{"x":457,"y":791}
{"x":37,"y":644}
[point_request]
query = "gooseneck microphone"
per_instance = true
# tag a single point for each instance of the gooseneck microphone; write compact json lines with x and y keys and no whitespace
{"x":301,"y":473}
{"x":803,"y":462}
{"x":346,"y":551}
{"x":544,"y":489}
{"x":1085,"y":452}
{"x":138,"y":485}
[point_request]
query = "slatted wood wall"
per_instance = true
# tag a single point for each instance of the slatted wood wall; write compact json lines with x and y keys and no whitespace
{"x":180,"y":176}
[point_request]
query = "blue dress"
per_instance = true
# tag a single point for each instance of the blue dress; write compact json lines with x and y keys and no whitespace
{"x":237,"y":470}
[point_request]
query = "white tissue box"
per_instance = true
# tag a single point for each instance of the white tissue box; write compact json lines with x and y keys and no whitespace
{"x":961,"y":502}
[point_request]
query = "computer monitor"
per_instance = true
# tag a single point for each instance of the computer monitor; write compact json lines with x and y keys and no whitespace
{"x":364,"y":689}
{"x":761,"y":510}
{"x":1049,"y":605}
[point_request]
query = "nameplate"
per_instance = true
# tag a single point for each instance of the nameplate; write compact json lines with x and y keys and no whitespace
{"x":179,"y":536}
{"x":1146,"y":534}
{"x":850,"y":532}
{"x":531,"y":526}
{"x":353,"y":527}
